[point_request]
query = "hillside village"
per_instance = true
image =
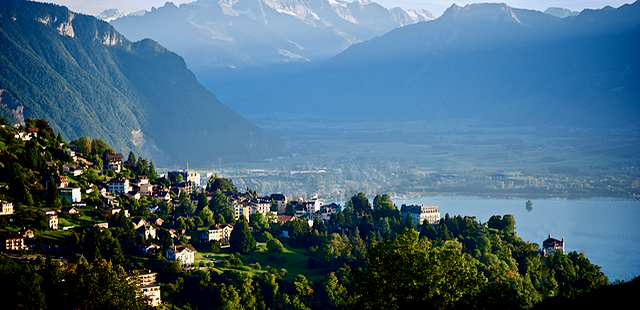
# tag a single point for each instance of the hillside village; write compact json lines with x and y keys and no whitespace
{"x":84,"y":211}
{"x":86,"y":190}
{"x":486,"y":100}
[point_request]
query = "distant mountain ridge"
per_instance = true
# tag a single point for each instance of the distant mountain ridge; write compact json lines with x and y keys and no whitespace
{"x":484,"y":61}
{"x":235,"y":45}
{"x":86,"y":79}
{"x":247,"y":33}
{"x":560,"y":12}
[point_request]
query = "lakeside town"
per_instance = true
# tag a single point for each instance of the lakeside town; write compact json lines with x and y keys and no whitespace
{"x":69,"y":206}
{"x":344,"y":155}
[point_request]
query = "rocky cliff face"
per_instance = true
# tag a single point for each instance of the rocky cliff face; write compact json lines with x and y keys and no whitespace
{"x":86,"y":79}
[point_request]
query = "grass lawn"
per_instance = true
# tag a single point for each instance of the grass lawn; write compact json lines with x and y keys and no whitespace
{"x":296,"y":262}
{"x":79,"y":222}
{"x":56,"y":237}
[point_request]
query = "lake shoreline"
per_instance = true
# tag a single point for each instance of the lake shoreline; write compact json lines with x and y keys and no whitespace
{"x":604,"y":228}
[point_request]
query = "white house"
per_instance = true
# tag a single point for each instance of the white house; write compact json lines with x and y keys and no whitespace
{"x":185,"y":254}
{"x":7,"y":207}
{"x":281,"y":202}
{"x":113,"y":162}
{"x":328,"y":210}
{"x":73,"y":194}
{"x":73,"y":169}
{"x":52,"y":215}
{"x":240,"y":209}
{"x":219,"y":232}
{"x":119,"y":185}
{"x":260,"y":206}
{"x":188,"y":175}
{"x":152,"y":292}
{"x":72,"y":154}
{"x":551,"y":246}
{"x":147,"y":230}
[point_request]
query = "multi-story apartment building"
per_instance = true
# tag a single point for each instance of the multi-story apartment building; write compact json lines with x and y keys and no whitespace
{"x":219,"y":232}
{"x":6,"y":207}
{"x":420,"y":213}
{"x":119,"y":185}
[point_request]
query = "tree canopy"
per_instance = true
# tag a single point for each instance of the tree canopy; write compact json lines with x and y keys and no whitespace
{"x":241,"y":239}
{"x":409,"y":273}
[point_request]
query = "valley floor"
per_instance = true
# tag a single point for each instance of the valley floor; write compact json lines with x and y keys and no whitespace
{"x":464,"y":157}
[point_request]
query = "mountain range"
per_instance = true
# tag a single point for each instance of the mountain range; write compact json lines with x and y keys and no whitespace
{"x":235,"y":45}
{"x":488,"y":62}
{"x":86,"y":79}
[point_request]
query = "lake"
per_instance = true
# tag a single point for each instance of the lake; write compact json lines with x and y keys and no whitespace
{"x":604,"y":229}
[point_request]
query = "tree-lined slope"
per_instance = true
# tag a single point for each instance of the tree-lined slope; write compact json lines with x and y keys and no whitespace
{"x":86,"y":79}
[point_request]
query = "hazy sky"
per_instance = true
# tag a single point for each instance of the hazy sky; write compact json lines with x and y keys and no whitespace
{"x":434,"y":6}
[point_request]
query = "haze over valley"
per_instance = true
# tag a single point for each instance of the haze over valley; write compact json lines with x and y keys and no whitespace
{"x":366,"y":98}
{"x":318,"y":154}
{"x":485,"y":88}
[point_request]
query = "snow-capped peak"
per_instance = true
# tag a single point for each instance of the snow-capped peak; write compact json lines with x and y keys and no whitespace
{"x":110,"y":14}
{"x":481,"y":11}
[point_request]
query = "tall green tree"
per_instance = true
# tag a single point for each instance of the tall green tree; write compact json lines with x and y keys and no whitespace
{"x":409,"y":273}
{"x":361,"y":204}
{"x":220,"y":207}
{"x":131,"y":159}
{"x":176,"y":178}
{"x":241,"y":239}
{"x":427,"y":230}
{"x":258,"y":221}
{"x":153,"y":173}
{"x":206,"y":216}
{"x":99,"y":148}
{"x":21,"y":287}
{"x":383,"y":227}
{"x":202,"y":200}
{"x":384,"y":207}
{"x":186,"y":206}
{"x":336,"y":293}
{"x":100,"y":285}
{"x":84,"y":145}
{"x":299,"y":232}
{"x":102,"y":241}
{"x":216,"y":183}
{"x":443,"y":231}
{"x":408,"y":222}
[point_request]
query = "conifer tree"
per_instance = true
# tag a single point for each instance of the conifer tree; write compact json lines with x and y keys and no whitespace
{"x":241,"y":239}
{"x":132,"y":159}
{"x":408,"y":222}
{"x":427,"y":230}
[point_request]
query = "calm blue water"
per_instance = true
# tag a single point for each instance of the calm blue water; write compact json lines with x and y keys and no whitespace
{"x":605,"y":230}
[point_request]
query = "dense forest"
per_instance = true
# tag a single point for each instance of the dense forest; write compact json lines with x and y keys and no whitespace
{"x":366,"y":256}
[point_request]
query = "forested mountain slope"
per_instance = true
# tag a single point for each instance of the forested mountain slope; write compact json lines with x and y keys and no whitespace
{"x":86,"y":79}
